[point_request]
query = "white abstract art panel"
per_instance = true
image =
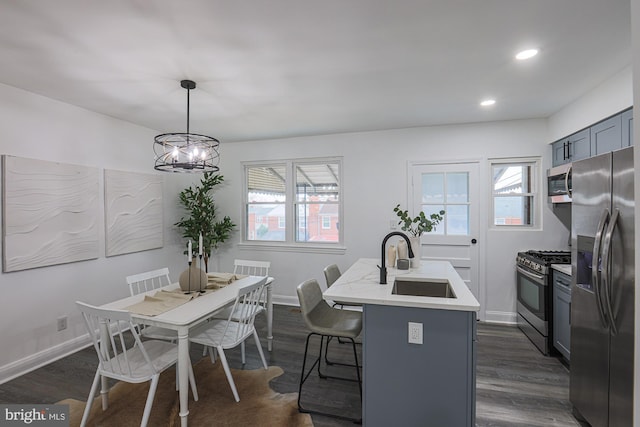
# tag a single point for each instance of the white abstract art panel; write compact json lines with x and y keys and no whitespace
{"x":133,"y":212}
{"x":50,"y":213}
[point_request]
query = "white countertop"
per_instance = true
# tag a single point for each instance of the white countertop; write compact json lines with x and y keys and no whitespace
{"x":563,"y":268}
{"x":360,"y":284}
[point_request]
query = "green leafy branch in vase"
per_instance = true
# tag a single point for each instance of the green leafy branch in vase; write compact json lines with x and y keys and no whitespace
{"x":419,"y":224}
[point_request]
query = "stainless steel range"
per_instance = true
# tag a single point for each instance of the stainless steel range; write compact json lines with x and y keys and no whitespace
{"x":534,"y":291}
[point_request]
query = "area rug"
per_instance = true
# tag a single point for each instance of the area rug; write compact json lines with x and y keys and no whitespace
{"x":259,"y":404}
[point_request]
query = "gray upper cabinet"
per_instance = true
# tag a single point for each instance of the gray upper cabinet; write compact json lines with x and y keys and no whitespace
{"x":627,"y":128}
{"x":560,"y":155}
{"x":606,"y":136}
{"x":572,"y":148}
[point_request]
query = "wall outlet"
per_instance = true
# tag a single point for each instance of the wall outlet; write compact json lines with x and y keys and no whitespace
{"x":415,"y":333}
{"x":62,"y":323}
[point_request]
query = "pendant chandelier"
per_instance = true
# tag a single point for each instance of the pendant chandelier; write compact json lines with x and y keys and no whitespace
{"x":186,"y":152}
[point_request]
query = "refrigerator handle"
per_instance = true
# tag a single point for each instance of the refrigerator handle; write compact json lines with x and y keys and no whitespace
{"x":606,"y":270}
{"x":595,"y":268}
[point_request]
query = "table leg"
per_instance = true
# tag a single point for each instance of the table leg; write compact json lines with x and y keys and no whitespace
{"x":183,"y":374}
{"x":269,"y":318}
{"x":104,"y":347}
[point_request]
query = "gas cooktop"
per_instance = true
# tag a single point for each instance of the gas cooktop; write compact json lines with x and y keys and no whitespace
{"x":539,"y":260}
{"x":550,"y":257}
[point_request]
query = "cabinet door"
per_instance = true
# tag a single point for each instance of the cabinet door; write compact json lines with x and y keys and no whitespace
{"x":579,"y":145}
{"x":560,"y":156}
{"x":606,"y":136}
{"x":562,"y":313}
{"x":627,"y":128}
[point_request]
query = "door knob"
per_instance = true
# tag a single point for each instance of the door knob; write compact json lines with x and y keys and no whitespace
{"x":474,"y":241}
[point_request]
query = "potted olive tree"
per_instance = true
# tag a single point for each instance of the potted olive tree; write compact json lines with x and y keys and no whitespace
{"x":202,"y":219}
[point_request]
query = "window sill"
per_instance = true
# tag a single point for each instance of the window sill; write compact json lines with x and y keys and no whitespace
{"x":291,"y":247}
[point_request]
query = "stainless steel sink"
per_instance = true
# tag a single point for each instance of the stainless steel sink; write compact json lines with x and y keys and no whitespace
{"x":423,"y":288}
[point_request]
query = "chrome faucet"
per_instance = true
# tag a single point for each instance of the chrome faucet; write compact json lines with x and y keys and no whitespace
{"x":383,"y":267}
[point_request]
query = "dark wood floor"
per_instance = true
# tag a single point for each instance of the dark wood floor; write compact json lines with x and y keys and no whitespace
{"x":516,"y":385}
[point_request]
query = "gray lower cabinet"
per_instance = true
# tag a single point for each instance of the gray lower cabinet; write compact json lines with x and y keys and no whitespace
{"x":429,"y":384}
{"x":562,"y":313}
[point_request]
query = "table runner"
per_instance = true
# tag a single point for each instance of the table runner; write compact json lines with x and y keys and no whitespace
{"x":160,"y":302}
{"x":218,"y":280}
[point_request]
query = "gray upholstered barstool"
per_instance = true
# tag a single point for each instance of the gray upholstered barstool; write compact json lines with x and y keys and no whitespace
{"x":326,"y":322}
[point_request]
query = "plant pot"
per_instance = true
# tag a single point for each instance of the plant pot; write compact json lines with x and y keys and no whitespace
{"x":416,"y":247}
{"x":193,"y":279}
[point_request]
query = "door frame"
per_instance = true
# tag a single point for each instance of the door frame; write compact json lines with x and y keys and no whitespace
{"x":482,"y":215}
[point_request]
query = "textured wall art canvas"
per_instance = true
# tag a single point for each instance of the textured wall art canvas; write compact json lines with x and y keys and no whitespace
{"x":50,"y":213}
{"x":133,"y":212}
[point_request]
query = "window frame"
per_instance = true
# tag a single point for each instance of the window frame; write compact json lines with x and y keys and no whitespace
{"x":290,"y":243}
{"x":535,"y":193}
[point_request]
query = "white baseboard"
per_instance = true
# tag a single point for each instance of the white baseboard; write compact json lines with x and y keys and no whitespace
{"x":42,"y":358}
{"x":286,"y":300}
{"x":503,"y":317}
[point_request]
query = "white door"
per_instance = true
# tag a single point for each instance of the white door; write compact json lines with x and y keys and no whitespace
{"x":452,"y":187}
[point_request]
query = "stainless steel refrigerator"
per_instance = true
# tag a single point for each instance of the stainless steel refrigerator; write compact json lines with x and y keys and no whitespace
{"x":602,"y":298}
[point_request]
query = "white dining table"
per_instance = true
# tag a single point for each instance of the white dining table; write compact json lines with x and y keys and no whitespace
{"x":186,"y":316}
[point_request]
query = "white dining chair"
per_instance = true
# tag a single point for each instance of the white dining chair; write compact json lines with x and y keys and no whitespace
{"x":148,"y":281}
{"x":225,"y":334}
{"x":253,"y":268}
{"x":249,"y":268}
{"x":123,"y":359}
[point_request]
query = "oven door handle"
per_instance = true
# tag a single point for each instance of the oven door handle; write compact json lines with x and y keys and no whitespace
{"x":527,"y":273}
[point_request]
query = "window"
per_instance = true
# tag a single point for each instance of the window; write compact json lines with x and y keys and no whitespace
{"x":514,"y":190}
{"x":293,"y":201}
{"x":448,"y":191}
{"x":326,"y":222}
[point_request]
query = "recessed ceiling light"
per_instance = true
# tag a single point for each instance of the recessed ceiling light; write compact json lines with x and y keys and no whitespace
{"x":526,"y":54}
{"x":488,"y":102}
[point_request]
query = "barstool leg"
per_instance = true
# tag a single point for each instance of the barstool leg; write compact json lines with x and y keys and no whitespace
{"x":304,"y":377}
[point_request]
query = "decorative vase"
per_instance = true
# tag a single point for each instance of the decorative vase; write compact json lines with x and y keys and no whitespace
{"x":403,"y":253}
{"x":193,"y":279}
{"x":416,"y":247}
{"x":391,"y":256}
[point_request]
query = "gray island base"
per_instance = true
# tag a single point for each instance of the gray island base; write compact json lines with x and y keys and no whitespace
{"x":412,"y":384}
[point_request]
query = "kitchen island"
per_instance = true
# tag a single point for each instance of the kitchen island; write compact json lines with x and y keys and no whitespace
{"x":413,"y":384}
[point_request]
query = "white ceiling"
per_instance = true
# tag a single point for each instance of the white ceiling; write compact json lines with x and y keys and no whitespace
{"x":279,"y":68}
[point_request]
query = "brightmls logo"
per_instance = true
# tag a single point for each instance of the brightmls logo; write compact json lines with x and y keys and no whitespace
{"x":36,"y":415}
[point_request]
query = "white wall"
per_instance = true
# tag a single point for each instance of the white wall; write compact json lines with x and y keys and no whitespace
{"x":32,"y":300}
{"x":375,"y":180}
{"x":613,"y":95}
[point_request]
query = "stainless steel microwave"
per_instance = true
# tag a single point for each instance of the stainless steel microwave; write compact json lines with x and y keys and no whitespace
{"x":559,"y":184}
